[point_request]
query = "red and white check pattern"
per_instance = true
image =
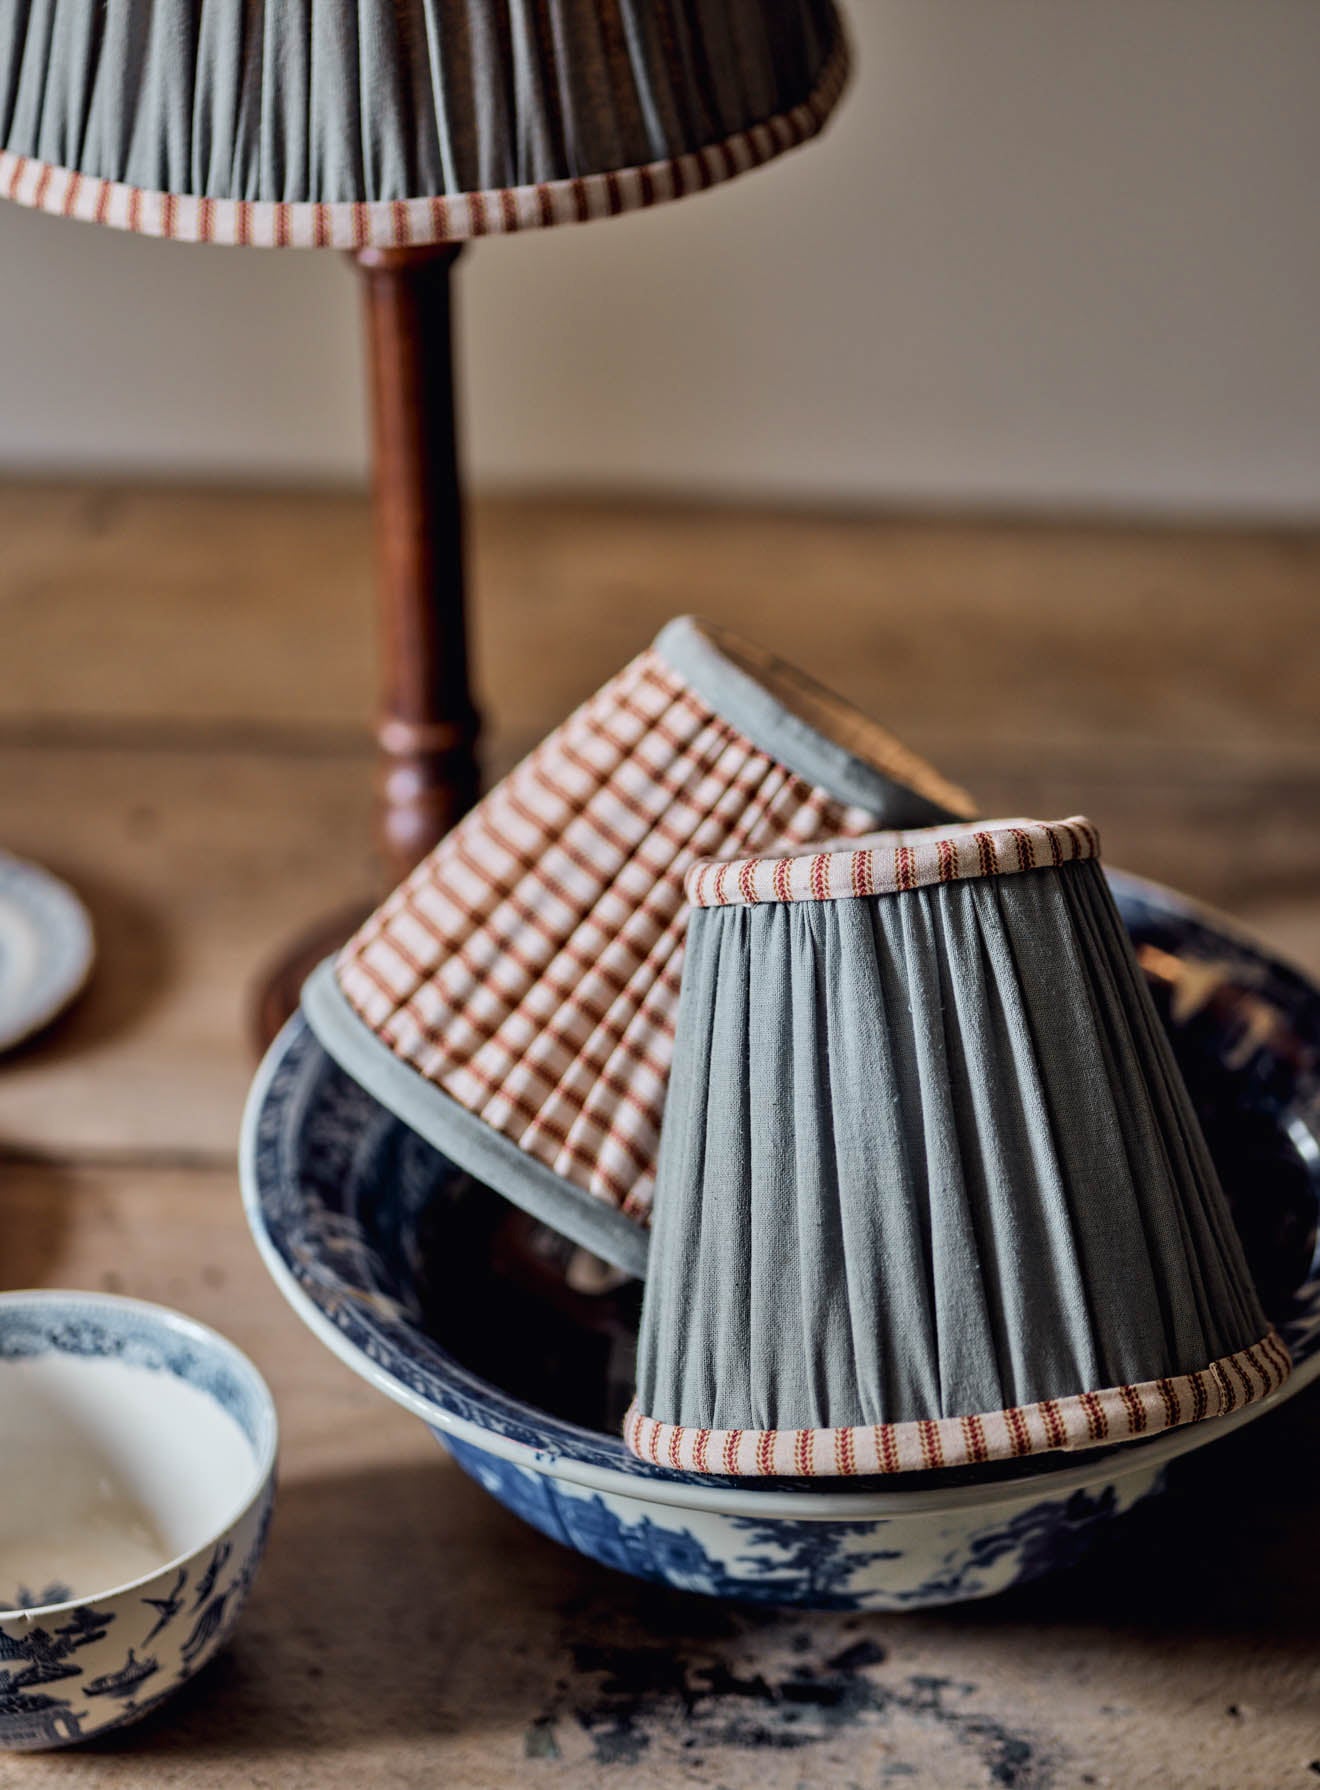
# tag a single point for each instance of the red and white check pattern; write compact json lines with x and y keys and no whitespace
{"x":399,"y":223}
{"x":530,"y":965}
{"x":888,"y":863}
{"x":1086,"y":1420}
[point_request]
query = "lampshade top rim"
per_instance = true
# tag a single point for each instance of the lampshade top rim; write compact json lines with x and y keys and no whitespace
{"x":893,"y":862}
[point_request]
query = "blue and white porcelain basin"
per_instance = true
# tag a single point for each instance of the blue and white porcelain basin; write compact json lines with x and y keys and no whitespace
{"x":416,"y":1277}
{"x":139,"y":1466}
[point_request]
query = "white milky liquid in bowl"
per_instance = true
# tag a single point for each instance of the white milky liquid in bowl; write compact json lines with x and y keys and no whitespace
{"x":107,"y":1472}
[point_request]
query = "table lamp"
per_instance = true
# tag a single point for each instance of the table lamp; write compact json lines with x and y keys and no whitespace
{"x":396,"y":130}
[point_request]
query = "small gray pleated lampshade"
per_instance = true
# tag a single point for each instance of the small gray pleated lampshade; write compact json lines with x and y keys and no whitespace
{"x":930,"y":1190}
{"x":395,"y":122}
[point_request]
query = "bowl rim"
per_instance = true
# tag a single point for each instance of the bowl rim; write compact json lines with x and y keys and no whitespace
{"x":809,"y":1506}
{"x":265,"y":1450}
{"x":1088,"y":1470}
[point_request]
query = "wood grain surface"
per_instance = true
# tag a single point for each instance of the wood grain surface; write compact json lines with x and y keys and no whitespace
{"x":185,"y":679}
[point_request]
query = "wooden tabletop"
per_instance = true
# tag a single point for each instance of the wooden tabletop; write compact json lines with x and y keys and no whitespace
{"x":185,"y":677}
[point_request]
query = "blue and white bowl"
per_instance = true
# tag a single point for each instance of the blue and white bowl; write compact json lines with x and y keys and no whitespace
{"x":396,"y":1259}
{"x":139,"y":1469}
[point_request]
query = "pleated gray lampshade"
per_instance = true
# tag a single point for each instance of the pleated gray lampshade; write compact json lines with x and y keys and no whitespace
{"x":930,"y":1189}
{"x":392,"y":122}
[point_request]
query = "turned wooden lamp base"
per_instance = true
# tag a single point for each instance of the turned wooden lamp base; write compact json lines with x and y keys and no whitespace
{"x":427,"y":724}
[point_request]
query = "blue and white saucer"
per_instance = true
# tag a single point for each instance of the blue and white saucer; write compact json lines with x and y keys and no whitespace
{"x":46,"y":948}
{"x":398,"y":1261}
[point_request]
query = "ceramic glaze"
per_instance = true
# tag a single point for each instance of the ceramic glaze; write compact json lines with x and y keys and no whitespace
{"x":353,"y":1213}
{"x":924,"y":1558}
{"x":139,"y":1469}
{"x":46,"y":948}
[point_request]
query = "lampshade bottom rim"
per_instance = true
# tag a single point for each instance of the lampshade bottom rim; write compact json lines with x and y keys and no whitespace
{"x":1083,"y":1420}
{"x":419,"y":220}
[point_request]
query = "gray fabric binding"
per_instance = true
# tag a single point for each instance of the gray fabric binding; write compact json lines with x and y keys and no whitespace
{"x":927,"y":1154}
{"x":460,"y":1135}
{"x":696,"y":650}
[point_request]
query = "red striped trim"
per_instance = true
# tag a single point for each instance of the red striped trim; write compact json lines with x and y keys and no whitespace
{"x":1279,"y":1359}
{"x":932,"y":1453}
{"x":1135,"y":1409}
{"x":1096,"y":1422}
{"x":804,"y":1453}
{"x":895,"y":862}
{"x":1234,"y":1367}
{"x":1019,"y":1435}
{"x":1056,"y":1433}
{"x":925,"y":1444}
{"x":888,"y":1447}
{"x":1169,"y":1396}
{"x":1200,"y":1397}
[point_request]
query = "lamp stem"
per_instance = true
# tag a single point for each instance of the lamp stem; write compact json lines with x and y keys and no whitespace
{"x":427,"y":722}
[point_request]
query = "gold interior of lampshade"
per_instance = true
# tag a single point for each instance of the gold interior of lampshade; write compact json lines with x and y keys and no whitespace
{"x":840,"y":722}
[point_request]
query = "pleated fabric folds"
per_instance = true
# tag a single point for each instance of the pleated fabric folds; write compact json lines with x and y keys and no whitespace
{"x":930,"y":1187}
{"x":467,"y":115}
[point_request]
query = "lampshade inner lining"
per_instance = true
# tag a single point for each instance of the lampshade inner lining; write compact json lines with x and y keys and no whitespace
{"x":848,"y":728}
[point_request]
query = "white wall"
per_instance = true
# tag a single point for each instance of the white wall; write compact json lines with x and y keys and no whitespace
{"x":1051,"y":252}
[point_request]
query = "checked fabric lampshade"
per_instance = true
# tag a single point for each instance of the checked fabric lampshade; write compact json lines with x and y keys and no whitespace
{"x":386,"y":123}
{"x":931,"y":1191}
{"x":514,"y":1000}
